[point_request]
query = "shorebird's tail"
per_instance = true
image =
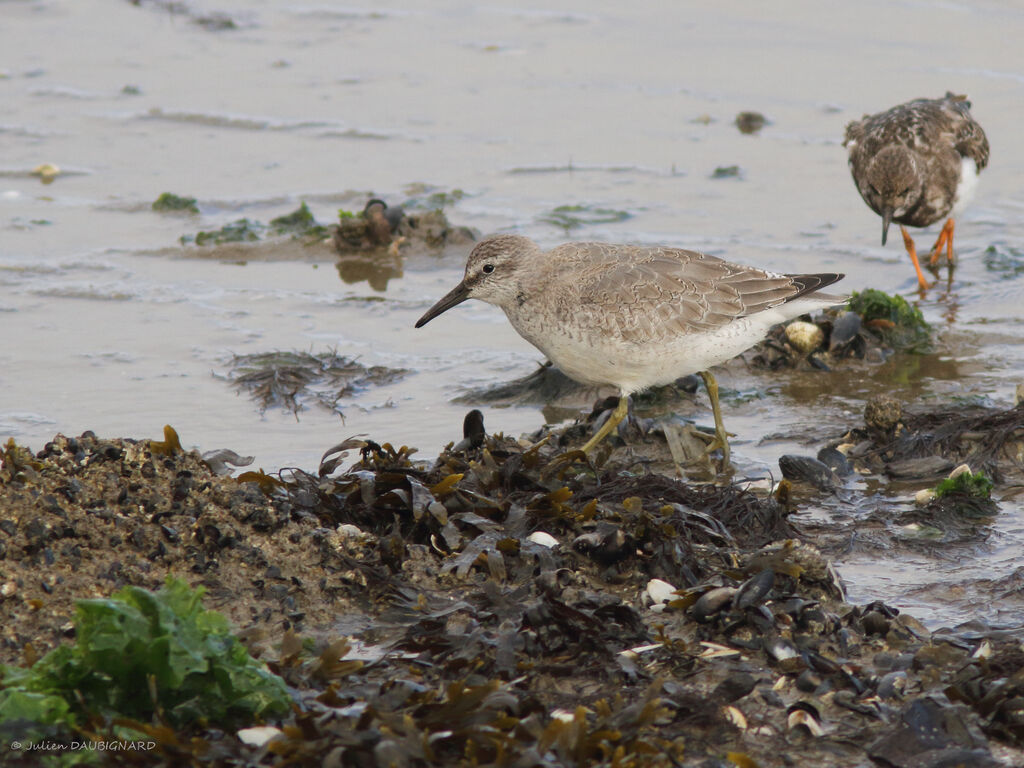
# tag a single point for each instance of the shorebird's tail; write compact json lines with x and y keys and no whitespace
{"x":811,"y":284}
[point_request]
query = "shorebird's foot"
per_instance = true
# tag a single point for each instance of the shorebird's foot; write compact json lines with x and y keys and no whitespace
{"x":613,"y":421}
{"x":721,"y":441}
{"x":908,"y":243}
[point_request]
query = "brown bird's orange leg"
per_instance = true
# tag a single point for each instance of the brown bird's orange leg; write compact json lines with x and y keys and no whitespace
{"x":908,"y":242}
{"x":945,"y":238}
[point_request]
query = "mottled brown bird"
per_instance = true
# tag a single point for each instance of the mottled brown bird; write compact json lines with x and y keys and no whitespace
{"x":632,"y":316}
{"x":378,"y":227}
{"x":916,"y":164}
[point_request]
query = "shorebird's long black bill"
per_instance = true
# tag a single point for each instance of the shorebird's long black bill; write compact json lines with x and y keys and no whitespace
{"x":455,"y":296}
{"x":886,"y":221}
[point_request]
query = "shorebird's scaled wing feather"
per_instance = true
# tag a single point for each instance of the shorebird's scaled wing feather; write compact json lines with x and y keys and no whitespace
{"x":971,"y":142}
{"x":967,"y":135}
{"x":671,"y":292}
{"x":854,"y":133}
{"x":919,"y":124}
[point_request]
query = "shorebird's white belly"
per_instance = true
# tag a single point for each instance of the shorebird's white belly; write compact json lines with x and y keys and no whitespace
{"x":632,"y":367}
{"x":966,"y":187}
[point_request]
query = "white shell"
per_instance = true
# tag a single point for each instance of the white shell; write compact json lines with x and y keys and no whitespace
{"x":637,"y":650}
{"x":962,"y":469}
{"x":542,"y":538}
{"x":736,"y":717}
{"x":658,"y":591}
{"x":805,"y":718}
{"x":259,"y":735}
{"x":716,"y":651}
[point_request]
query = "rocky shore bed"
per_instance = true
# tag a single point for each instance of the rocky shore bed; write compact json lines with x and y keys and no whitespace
{"x":509,"y":603}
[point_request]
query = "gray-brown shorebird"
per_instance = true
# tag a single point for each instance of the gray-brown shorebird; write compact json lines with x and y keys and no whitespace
{"x":916,"y":164}
{"x":633,"y":316}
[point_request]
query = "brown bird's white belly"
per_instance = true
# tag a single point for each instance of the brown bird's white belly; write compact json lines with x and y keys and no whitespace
{"x":966,"y":187}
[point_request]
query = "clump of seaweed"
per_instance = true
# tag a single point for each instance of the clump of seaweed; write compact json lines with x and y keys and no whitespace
{"x":987,"y":438}
{"x":875,"y":326}
{"x":288,"y":379}
{"x":300,"y":224}
{"x":238,"y":231}
{"x":901,"y":325}
{"x":507,"y":603}
{"x":965,"y":483}
{"x":570,"y":217}
{"x":168,"y":201}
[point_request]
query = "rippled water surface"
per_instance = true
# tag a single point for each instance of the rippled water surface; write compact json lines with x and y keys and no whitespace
{"x":110,"y":324}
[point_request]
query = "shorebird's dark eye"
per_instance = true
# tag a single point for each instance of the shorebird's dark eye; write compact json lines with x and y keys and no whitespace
{"x":488,"y":268}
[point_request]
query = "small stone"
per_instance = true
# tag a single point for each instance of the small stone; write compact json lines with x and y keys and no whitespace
{"x":750,"y":122}
{"x":875,"y":623}
{"x":883,"y":413}
{"x":808,"y":681}
{"x":804,"y":469}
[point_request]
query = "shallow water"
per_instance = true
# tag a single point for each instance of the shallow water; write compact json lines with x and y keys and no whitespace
{"x":110,"y":325}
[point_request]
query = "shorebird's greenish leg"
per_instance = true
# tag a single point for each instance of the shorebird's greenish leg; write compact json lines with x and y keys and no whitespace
{"x":613,"y":421}
{"x":721,"y":436}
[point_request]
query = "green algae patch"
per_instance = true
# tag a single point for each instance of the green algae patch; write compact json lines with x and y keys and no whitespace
{"x":977,"y":486}
{"x":169,"y":202}
{"x":963,"y":497}
{"x":727,"y":172}
{"x":298,"y":223}
{"x":239,"y":231}
{"x":139,"y":654}
{"x":901,"y":325}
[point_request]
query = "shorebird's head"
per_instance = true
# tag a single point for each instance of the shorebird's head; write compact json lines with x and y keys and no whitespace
{"x":492,"y":274}
{"x":892,"y":184}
